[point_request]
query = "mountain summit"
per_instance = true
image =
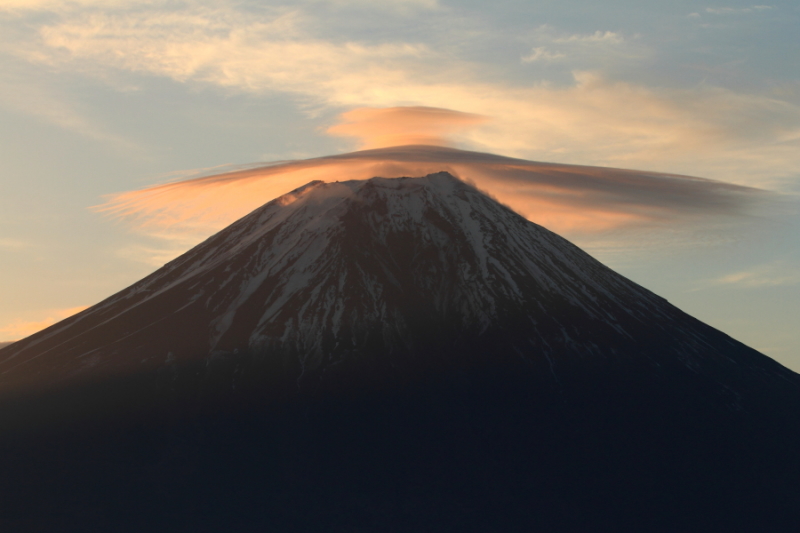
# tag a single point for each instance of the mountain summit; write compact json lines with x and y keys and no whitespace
{"x":403,"y":354}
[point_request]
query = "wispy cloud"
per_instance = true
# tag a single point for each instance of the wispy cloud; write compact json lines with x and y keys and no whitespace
{"x":71,"y":5}
{"x":540,"y":53}
{"x":13,"y":244}
{"x":709,"y":131}
{"x":23,"y":328}
{"x":608,"y":37}
{"x":770,"y":275}
{"x":226,"y":48}
{"x":602,"y":45}
{"x":164,"y":244}
{"x":704,"y":130}
{"x":21,"y":94}
{"x":50,"y":5}
{"x":736,"y":10}
{"x":402,"y":5}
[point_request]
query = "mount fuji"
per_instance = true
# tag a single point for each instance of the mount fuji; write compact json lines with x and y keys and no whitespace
{"x":399,"y":354}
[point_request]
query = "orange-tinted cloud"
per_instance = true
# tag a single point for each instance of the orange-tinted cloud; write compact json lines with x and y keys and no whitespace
{"x":567,"y":199}
{"x":22,"y":328}
{"x":398,"y":126}
{"x":746,"y":136}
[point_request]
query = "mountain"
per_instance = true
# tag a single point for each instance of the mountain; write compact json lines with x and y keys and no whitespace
{"x":395,"y":355}
{"x":380,"y":266}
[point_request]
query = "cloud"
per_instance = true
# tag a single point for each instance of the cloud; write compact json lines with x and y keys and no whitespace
{"x":26,"y":94}
{"x":402,"y":5}
{"x":540,"y":53}
{"x":601,"y":46}
{"x":601,"y":49}
{"x":565,"y":198}
{"x":608,"y":37}
{"x":221,"y":47}
{"x":22,"y":328}
{"x":769,"y":275}
{"x":549,"y":34}
{"x":49,"y":5}
{"x":735,"y":10}
{"x":717,"y":133}
{"x":71,"y":5}
{"x":396,"y":126}
{"x":167,"y":246}
{"x":13,"y":244}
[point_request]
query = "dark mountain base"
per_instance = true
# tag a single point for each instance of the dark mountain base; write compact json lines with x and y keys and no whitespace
{"x":483,"y":447}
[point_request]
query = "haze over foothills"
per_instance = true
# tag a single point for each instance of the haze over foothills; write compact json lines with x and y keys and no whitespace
{"x":128,"y":128}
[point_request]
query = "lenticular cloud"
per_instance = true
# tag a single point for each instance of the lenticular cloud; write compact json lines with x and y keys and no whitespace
{"x":564,"y":198}
{"x":399,"y":126}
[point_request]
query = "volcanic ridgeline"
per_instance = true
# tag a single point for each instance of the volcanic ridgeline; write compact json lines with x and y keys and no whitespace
{"x":398,"y":353}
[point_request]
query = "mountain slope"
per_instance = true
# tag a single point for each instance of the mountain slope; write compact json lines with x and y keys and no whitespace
{"x":402,"y":354}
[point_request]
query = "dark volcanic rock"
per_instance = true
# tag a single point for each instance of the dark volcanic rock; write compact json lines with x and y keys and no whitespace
{"x":394,"y":355}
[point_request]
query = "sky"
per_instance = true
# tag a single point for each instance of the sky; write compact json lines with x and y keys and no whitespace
{"x":130,"y":131}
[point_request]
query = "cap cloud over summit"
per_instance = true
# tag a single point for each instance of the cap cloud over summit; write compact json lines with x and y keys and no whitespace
{"x":564,"y":198}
